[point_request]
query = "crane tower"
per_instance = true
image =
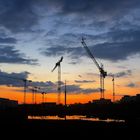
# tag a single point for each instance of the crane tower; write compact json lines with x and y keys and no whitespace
{"x":58,"y":64}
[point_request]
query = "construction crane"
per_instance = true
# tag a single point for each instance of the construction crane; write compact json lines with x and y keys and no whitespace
{"x":103,"y":73}
{"x":113,"y":80}
{"x":58,"y":64}
{"x":36,"y":89}
{"x":25,"y":88}
{"x":43,"y":93}
{"x":25,"y":84}
{"x":33,"y":95}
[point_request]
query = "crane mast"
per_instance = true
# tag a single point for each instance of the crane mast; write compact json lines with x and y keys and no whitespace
{"x":103,"y":73}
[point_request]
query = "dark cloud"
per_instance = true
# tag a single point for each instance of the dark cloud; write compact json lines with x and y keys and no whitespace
{"x":13,"y":79}
{"x":121,"y":74}
{"x":21,"y":15}
{"x":91,"y":74}
{"x":80,"y":76}
{"x":8,"y":40}
{"x":17,"y":15}
{"x":118,"y":18}
{"x":76,"y":89}
{"x":8,"y":54}
{"x":61,"y":50}
{"x":85,"y":81}
{"x":88,"y":91}
{"x":122,"y":45}
{"x":118,"y":45}
{"x":50,"y":87}
{"x":17,"y":80}
{"x":131,"y":85}
{"x":95,"y":7}
{"x":73,"y":62}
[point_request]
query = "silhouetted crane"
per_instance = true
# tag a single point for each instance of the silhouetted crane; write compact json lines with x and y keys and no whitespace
{"x":25,"y":88}
{"x":58,"y":64}
{"x":113,"y":80}
{"x":103,"y":73}
{"x":35,"y":92}
{"x":43,"y":93}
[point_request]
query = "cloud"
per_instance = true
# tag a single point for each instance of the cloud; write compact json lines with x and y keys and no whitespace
{"x":73,"y":62}
{"x":8,"y":54}
{"x":17,"y":80}
{"x":116,"y":51}
{"x":50,"y":87}
{"x":61,"y":50}
{"x":85,"y":81}
{"x":121,"y":74}
{"x":131,"y":85}
{"x":95,"y":7}
{"x":8,"y":40}
{"x":89,"y":91}
{"x":91,"y":74}
{"x":18,"y":16}
{"x":13,"y":79}
{"x":80,"y":76}
{"x":117,"y":45}
{"x":76,"y":89}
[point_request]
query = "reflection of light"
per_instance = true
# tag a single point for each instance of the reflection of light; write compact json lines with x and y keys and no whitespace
{"x":73,"y":117}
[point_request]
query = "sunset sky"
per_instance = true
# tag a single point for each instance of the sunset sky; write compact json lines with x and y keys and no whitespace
{"x":34,"y":34}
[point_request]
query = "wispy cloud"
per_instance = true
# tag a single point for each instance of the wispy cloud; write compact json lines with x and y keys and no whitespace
{"x":121,"y":74}
{"x":13,"y":79}
{"x":8,"y":40}
{"x":131,"y":85}
{"x":8,"y":54}
{"x":85,"y":81}
{"x":17,"y":80}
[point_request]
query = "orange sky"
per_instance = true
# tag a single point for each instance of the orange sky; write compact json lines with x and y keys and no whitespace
{"x":13,"y":94}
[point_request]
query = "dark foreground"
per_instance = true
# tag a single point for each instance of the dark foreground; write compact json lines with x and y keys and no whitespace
{"x":69,"y":129}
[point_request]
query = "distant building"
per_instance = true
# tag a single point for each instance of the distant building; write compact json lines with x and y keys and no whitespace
{"x":6,"y":103}
{"x":138,"y":97}
{"x":128,"y":99}
{"x":49,"y":104}
{"x":102,"y":101}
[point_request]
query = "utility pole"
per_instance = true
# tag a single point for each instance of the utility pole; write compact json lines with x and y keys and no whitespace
{"x":103,"y":73}
{"x":65,"y":94}
{"x":58,"y":64}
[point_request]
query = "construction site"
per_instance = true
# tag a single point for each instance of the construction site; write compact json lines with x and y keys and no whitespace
{"x":69,"y":69}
